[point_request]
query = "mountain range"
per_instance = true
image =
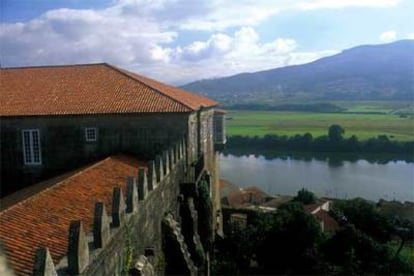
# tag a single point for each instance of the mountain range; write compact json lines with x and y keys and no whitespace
{"x":368,"y":72}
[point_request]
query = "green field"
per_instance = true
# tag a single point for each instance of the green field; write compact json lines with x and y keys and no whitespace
{"x":364,"y":126}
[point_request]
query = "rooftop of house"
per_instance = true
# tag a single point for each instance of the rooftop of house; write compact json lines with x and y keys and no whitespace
{"x":43,"y":219}
{"x":329,"y":223}
{"x":89,"y":89}
{"x":245,"y":197}
{"x":320,"y":203}
{"x":220,"y":111}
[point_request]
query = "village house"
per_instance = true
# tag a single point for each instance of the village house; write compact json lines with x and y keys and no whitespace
{"x":78,"y":139}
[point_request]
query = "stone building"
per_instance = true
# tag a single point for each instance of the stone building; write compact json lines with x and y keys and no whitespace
{"x":81,"y":139}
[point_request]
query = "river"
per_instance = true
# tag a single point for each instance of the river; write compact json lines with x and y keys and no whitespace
{"x":392,"y":180}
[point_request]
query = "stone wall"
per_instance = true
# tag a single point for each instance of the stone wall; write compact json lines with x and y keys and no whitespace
{"x":133,"y":230}
{"x":144,"y":225}
{"x":64,"y":147}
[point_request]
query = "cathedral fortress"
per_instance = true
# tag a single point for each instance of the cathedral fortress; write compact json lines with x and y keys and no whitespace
{"x":104,"y":171}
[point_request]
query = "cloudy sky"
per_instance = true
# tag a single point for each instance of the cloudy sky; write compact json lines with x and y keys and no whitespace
{"x":178,"y":41}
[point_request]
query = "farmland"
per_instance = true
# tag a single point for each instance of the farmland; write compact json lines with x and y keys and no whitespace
{"x":363,"y":125}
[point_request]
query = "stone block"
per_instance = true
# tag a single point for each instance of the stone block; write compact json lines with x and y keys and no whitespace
{"x":166,"y":162}
{"x":142,"y":184}
{"x":159,"y":168}
{"x":78,"y":251}
{"x":118,"y":207}
{"x":179,"y":150}
{"x":132,"y":195}
{"x":172,"y":158}
{"x":101,"y":234}
{"x":43,"y":263}
{"x":151,"y":176}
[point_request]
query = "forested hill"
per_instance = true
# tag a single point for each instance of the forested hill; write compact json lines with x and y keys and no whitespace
{"x":370,"y":72}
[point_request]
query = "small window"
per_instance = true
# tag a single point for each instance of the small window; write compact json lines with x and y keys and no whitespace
{"x":91,"y":134}
{"x":32,"y":154}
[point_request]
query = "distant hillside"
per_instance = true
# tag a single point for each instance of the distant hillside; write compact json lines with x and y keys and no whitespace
{"x":371,"y":72}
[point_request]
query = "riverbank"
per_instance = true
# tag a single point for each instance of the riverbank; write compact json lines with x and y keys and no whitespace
{"x":373,"y":158}
{"x":334,"y":143}
{"x":253,"y":198}
{"x":317,"y":233}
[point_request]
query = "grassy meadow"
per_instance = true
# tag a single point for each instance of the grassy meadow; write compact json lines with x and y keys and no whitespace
{"x":363,"y":125}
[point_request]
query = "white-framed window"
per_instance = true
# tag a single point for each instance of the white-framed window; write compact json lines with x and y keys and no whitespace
{"x":32,"y":152}
{"x":91,"y":134}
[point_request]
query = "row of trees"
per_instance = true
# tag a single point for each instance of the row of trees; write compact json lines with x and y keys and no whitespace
{"x":313,"y":107}
{"x":290,"y":242}
{"x":333,"y":142}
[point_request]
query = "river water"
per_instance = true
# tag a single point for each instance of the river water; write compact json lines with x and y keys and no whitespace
{"x":392,"y":180}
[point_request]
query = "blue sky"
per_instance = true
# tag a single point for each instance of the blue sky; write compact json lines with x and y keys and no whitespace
{"x":178,"y":41}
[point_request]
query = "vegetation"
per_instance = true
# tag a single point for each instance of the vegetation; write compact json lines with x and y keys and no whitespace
{"x":290,"y":242}
{"x":305,"y":197}
{"x":313,"y":107}
{"x":333,"y":142}
{"x":361,"y":125}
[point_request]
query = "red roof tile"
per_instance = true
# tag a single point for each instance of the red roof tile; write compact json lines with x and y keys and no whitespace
{"x":220,"y":111}
{"x":43,"y":219}
{"x":329,"y":223}
{"x":246,"y":196}
{"x":89,"y":89}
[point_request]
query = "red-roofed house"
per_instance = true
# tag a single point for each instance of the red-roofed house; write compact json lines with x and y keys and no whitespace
{"x":320,"y":210}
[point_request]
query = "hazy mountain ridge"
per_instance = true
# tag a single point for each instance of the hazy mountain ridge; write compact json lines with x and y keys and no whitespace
{"x":369,"y":72}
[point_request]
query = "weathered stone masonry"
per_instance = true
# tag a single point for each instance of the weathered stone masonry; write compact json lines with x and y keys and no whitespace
{"x":134,"y":228}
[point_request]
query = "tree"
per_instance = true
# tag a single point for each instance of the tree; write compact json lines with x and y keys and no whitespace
{"x":365,"y":216}
{"x":305,"y":196}
{"x":356,"y":253}
{"x":335,"y":133}
{"x":290,"y":247}
{"x":352,"y":144}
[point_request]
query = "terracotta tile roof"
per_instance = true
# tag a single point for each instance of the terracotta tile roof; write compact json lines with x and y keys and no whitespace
{"x":310,"y":208}
{"x":89,"y":89}
{"x":329,"y":223}
{"x":220,"y":111}
{"x":319,"y":204}
{"x":43,"y":219}
{"x":245,"y":197}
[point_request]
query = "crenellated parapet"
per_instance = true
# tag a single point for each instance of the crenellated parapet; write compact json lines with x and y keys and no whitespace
{"x":122,"y":232}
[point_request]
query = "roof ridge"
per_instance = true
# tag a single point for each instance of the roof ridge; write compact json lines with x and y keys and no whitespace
{"x":56,"y":184}
{"x":53,"y":65}
{"x":127,"y":74}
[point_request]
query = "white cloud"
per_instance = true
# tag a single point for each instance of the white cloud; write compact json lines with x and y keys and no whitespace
{"x":217,"y":44}
{"x":410,"y":36}
{"x":143,"y":35}
{"x":79,"y":36}
{"x":339,"y":4}
{"x":388,"y":36}
{"x":224,"y":55}
{"x":223,"y":14}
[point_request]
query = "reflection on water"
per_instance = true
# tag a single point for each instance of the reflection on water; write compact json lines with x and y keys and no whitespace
{"x":325,"y":176}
